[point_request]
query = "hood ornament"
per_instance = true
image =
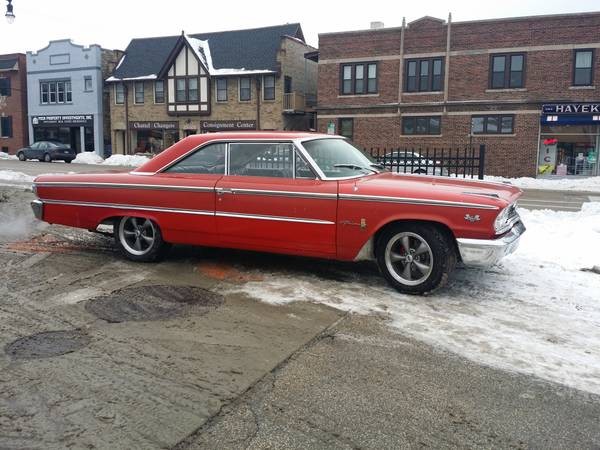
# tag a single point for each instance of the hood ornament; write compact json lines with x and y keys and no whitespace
{"x":471,"y":218}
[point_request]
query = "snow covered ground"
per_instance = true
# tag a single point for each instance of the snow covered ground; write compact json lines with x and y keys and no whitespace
{"x":589,"y":184}
{"x":114,"y":160}
{"x":537,"y":312}
{"x":6,"y":176}
{"x":7,"y":156}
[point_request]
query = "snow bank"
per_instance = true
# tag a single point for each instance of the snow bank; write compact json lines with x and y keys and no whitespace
{"x":7,"y":156}
{"x":11,"y":175}
{"x":590,"y":184}
{"x":114,"y":160}
{"x":88,"y":158}
{"x":535,"y":313}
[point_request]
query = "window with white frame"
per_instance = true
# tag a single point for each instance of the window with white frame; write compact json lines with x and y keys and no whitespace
{"x":119,"y":93}
{"x":269,"y":87}
{"x":245,"y":91}
{"x":139,"y":92}
{"x":159,"y":91}
{"x":87,"y":84}
{"x":55,"y":92}
{"x":221,"y":84}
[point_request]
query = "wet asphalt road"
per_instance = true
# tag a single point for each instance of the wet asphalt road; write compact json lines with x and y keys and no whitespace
{"x":223,"y":370}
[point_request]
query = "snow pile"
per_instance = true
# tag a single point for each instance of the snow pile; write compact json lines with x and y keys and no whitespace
{"x":7,"y":156}
{"x":126,"y":160}
{"x":590,"y":184}
{"x":88,"y":158}
{"x":11,"y":175}
{"x":535,"y":313}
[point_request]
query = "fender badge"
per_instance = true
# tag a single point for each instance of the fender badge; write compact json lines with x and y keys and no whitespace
{"x":471,"y":218}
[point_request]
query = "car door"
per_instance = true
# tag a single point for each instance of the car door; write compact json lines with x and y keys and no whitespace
{"x":31,"y":151}
{"x":41,"y":149}
{"x":186,"y":189}
{"x":271,"y":200}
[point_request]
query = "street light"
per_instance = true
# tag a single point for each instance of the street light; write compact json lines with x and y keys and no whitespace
{"x":10,"y":16}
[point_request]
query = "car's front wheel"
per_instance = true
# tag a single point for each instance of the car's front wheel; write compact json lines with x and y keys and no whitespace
{"x":415,"y":258}
{"x":139,"y":239}
{"x":21,"y":156}
{"x":47,"y":157}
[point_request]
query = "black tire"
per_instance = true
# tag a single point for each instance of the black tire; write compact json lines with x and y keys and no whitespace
{"x":145,"y":228}
{"x":420,"y":171}
{"x":47,"y":157}
{"x":21,"y":156}
{"x":429,"y":266}
{"x":68,"y":161}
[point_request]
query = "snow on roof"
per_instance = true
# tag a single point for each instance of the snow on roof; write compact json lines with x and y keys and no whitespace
{"x":120,"y":62}
{"x":143,"y":77}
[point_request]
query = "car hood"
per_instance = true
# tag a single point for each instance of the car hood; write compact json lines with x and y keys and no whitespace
{"x":432,"y":188}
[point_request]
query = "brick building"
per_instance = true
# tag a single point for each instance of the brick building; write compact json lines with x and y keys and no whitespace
{"x":166,"y":88}
{"x":525,"y":87}
{"x":13,"y":102}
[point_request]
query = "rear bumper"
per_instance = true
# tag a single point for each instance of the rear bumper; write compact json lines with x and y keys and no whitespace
{"x":38,"y":209}
{"x":485,"y":253}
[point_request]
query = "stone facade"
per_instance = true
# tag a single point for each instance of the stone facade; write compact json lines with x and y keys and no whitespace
{"x":268,"y":114}
{"x":14,"y":106}
{"x":548,"y":43}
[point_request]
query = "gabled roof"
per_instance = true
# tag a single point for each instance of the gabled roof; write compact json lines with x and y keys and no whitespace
{"x":252,"y":49}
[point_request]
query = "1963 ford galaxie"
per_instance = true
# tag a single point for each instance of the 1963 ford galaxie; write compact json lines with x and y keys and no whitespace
{"x":296,"y":193}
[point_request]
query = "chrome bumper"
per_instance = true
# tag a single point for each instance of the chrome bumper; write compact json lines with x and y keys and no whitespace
{"x":485,"y":253}
{"x":38,"y":209}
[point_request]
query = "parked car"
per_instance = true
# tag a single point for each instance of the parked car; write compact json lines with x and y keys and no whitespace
{"x":295,"y":193}
{"x":411,"y":162}
{"x":47,"y":151}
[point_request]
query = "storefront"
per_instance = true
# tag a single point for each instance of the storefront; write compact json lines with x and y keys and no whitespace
{"x":569,"y":139}
{"x":74,"y":130}
{"x":153,"y":137}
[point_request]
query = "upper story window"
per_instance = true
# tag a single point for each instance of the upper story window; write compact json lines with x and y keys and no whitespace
{"x":187,"y":84}
{"x":159,"y":91}
{"x":221,"y":84}
{"x":358,"y":78}
{"x":583,"y":68}
{"x":269,"y":87}
{"x":245,"y":91}
{"x":421,"y":125}
{"x":119,"y":93}
{"x":87,"y":84}
{"x":5,"y":86}
{"x":54,"y":92}
{"x":507,"y":71}
{"x":493,"y":124}
{"x":424,"y":75}
{"x":139,"y":92}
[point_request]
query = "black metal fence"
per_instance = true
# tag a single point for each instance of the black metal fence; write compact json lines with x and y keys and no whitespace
{"x":458,"y":162}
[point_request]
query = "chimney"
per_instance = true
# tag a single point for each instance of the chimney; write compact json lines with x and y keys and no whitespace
{"x":376,"y":25}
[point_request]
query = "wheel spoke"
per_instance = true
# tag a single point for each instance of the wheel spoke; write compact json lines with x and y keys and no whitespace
{"x":138,"y":244}
{"x":148,"y":239}
{"x":406,"y":244}
{"x":129,"y":233}
{"x":422,"y":248}
{"x":423,"y":268}
{"x":395,"y":257}
{"x":147,"y":224}
{"x":406,"y":273}
{"x":134,"y":221}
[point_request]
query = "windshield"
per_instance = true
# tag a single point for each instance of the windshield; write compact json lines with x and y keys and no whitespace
{"x":338,"y":158}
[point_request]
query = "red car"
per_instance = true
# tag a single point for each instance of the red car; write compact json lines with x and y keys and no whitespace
{"x":296,"y":193}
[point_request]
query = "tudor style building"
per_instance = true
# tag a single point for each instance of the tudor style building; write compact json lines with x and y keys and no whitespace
{"x":166,"y":88}
{"x":13,"y":102}
{"x":526,"y":87}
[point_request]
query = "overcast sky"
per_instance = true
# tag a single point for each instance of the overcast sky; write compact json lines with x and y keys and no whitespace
{"x":112,"y":23}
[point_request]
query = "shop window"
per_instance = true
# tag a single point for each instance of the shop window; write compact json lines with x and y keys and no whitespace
{"x":507,"y":71}
{"x":583,"y":68}
{"x":493,"y":124}
{"x":119,"y":93}
{"x":346,"y":127}
{"x":221,"y":89}
{"x":159,"y":91}
{"x":139,"y":92}
{"x":358,"y":78}
{"x":87,"y":84}
{"x":424,"y":75}
{"x":261,"y":159}
{"x":5,"y":86}
{"x":6,"y":130}
{"x":52,"y":92}
{"x":245,"y":91}
{"x":416,"y":125}
{"x":269,"y":87}
{"x":207,"y":160}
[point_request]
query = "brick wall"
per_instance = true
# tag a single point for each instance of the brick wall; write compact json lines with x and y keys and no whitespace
{"x":16,"y":105}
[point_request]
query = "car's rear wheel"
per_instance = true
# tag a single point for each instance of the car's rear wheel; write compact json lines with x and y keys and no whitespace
{"x":47,"y":157}
{"x":21,"y":156}
{"x":415,"y":258}
{"x":68,"y":161}
{"x":139,"y":239}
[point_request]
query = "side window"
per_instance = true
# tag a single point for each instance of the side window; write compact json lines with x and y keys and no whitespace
{"x":207,"y":160}
{"x":261,"y":159}
{"x":303,"y":170}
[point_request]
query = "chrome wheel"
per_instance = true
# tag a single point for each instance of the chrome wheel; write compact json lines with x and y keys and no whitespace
{"x":137,"y":235}
{"x":408,"y":258}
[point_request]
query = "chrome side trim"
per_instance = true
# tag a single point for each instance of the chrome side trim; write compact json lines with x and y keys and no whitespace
{"x":275,"y":218}
{"x":413,"y":201}
{"x":279,"y":193}
{"x":38,"y":209}
{"x":159,"y":187}
{"x":132,"y":207}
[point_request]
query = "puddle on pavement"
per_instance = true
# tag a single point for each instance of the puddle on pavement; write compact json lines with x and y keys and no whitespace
{"x":47,"y":344}
{"x":158,"y":302}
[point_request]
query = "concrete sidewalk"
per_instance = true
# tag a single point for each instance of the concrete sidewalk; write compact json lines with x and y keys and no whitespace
{"x":556,"y":200}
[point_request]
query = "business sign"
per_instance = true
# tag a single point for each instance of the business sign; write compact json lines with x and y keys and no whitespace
{"x":571,"y":108}
{"x":68,"y":120}
{"x":150,"y":125}
{"x":227,"y":125}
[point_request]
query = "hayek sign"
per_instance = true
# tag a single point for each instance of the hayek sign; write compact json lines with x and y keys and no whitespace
{"x":571,"y":108}
{"x":227,"y":125}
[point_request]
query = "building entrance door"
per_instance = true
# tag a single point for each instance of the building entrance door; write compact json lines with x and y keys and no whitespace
{"x":75,"y":138}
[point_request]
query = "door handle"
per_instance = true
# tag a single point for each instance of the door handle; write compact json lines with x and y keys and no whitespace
{"x":222,"y":191}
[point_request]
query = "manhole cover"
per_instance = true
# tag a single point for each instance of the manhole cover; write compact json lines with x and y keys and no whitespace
{"x":159,"y":302}
{"x":47,"y":344}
